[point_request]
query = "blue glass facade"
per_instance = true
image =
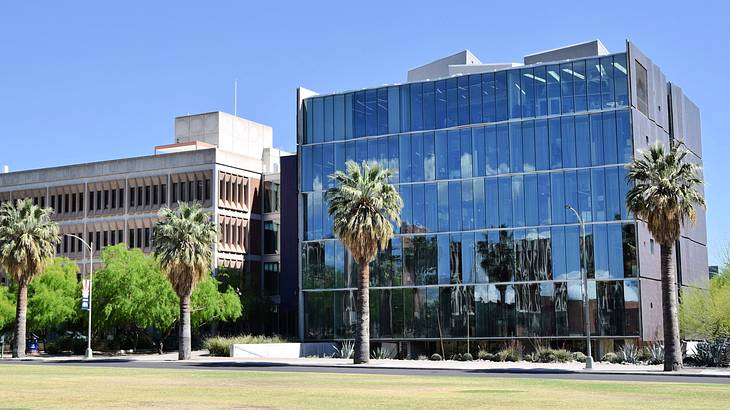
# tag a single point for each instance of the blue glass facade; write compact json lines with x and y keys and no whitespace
{"x":485,"y":164}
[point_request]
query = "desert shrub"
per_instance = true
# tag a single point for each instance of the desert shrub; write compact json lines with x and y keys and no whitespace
{"x":66,"y":344}
{"x":654,"y":353}
{"x":509,"y":354}
{"x":346,"y":349}
{"x":467,"y":357}
{"x":711,"y":354}
{"x":543,"y":356}
{"x":629,"y":354}
{"x":485,"y":355}
{"x":221,"y":346}
{"x":562,"y":355}
{"x":422,"y":357}
{"x":436,"y":357}
{"x":579,"y":357}
{"x":611,"y":357}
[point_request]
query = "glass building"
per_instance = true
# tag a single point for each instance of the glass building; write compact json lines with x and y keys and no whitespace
{"x":486,"y":162}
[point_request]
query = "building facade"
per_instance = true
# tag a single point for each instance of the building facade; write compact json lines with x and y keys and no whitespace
{"x":222,"y":161}
{"x":486,"y":158}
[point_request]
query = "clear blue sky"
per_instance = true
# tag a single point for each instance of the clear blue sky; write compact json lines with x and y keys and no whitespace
{"x":83,"y":82}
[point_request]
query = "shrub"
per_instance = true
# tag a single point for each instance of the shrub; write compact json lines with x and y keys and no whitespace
{"x":712,"y":354}
{"x":629,"y":354}
{"x":422,"y":357}
{"x":579,"y":357}
{"x":655,"y":353}
{"x":221,"y":346}
{"x":66,"y":344}
{"x":562,"y":355}
{"x":467,"y":357}
{"x":436,"y":357}
{"x":544,"y":356}
{"x":611,"y":357}
{"x":383,"y":353}
{"x":346,"y":349}
{"x":485,"y":355}
{"x":512,"y":352}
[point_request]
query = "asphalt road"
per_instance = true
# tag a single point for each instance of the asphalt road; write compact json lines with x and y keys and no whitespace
{"x":278,"y":367}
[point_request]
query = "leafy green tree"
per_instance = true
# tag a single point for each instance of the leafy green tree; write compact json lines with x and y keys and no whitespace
{"x":28,"y":239}
{"x":54,"y":296}
{"x":665,"y":196}
{"x":208,"y":303}
{"x":7,"y":308}
{"x":363,"y":207}
{"x":183,"y":241}
{"x":705,"y":314}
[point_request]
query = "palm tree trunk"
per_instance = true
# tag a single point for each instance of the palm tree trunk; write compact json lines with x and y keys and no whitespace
{"x":362,"y":331}
{"x":672,"y":347}
{"x":20,"y":314}
{"x":184,"y":339}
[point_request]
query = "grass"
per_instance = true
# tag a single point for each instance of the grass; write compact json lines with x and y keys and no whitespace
{"x":42,"y":386}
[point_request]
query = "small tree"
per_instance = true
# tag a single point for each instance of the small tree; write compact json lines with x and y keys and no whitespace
{"x":53,"y":297}
{"x":183,"y":241}
{"x":362,"y":206}
{"x":665,"y":196}
{"x":28,"y":239}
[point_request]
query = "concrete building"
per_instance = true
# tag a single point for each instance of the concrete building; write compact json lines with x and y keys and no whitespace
{"x":225,"y":162}
{"x":487,"y":157}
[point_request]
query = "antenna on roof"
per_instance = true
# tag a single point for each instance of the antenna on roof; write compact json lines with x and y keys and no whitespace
{"x":235,"y":97}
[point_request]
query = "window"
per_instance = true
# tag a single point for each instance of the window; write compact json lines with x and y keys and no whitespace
{"x":442,"y":166}
{"x":568,"y":139}
{"x":455,"y":211}
{"x":443,"y":206}
{"x":428,"y":106}
{"x":513,"y":83}
{"x":593,"y":73}
{"x":452,"y":96}
{"x":371,"y":119}
{"x":440,"y":104}
{"x":271,"y":277}
{"x":527,"y":88}
{"x":467,"y":205}
{"x":328,"y":119}
{"x":393,"y":110}
{"x":163,"y":194}
{"x":106,"y":199}
{"x":503,"y":149}
{"x":556,"y":143}
{"x":454,"y":154}
{"x":492,"y":160}
{"x":271,"y":237}
{"x":418,"y":213}
{"x":73,"y":202}
{"x":416,"y":92}
{"x":417,"y":164}
{"x":271,"y":197}
{"x":541,"y":103}
{"x":405,"y":158}
{"x":140,"y":196}
{"x":566,"y":86}
{"x":528,"y":145}
{"x":501,"y":100}
{"x":553,"y":89}
{"x":429,"y":157}
{"x":620,"y":80}
{"x":114,"y":198}
{"x":608,"y":98}
{"x":505,"y":202}
{"x":475,"y":99}
{"x":463,"y":99}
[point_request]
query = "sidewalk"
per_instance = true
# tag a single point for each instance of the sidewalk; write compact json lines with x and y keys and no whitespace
{"x":498,"y":367}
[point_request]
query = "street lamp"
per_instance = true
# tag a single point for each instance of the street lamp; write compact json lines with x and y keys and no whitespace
{"x":90,"y":247}
{"x":584,"y":277}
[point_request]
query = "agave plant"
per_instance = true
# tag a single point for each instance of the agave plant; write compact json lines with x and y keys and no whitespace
{"x":383,"y":353}
{"x":656,"y":353}
{"x":346,"y":349}
{"x":713,"y":354}
{"x":629,"y":354}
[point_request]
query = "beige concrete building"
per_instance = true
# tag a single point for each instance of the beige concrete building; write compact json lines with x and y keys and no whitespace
{"x":225,"y":162}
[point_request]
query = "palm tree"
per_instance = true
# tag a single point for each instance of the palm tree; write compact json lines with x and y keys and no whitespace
{"x":28,"y":239}
{"x":183,"y":241}
{"x":665,"y":196}
{"x":362,"y":206}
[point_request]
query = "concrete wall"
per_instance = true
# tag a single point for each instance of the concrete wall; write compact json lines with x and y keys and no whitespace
{"x":440,"y":68}
{"x":226,"y":131}
{"x":588,"y":49}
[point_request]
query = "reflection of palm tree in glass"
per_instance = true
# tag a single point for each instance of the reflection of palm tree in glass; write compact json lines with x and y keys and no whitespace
{"x":497,"y":259}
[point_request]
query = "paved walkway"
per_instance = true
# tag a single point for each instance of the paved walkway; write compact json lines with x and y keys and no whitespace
{"x":202,"y":359}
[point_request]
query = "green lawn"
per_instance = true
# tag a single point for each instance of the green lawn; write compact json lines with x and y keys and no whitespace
{"x":74,"y":387}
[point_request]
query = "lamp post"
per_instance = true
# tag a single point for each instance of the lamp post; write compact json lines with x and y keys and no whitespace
{"x":90,"y":247}
{"x":584,"y":277}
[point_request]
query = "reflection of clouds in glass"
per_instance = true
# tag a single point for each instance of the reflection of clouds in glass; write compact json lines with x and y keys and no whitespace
{"x":509,"y":296}
{"x":429,"y":164}
{"x":493,"y":294}
{"x":317,"y":184}
{"x":546,"y":289}
{"x":575,"y":292}
{"x":631,"y":291}
{"x":481,"y":294}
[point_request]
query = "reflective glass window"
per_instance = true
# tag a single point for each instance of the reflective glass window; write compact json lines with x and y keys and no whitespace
{"x":440,"y":103}
{"x":624,"y":187}
{"x":339,"y":117}
{"x":614,"y":200}
{"x":615,"y":251}
{"x":416,"y":107}
{"x":542,"y":146}
{"x":467,"y":258}
{"x":518,"y":201}
{"x":329,"y":120}
{"x":467,"y":205}
{"x":557,"y":234}
{"x":317,"y":176}
{"x":318,"y":119}
{"x":345,"y":314}
{"x":406,"y":214}
{"x":557,"y":189}
{"x":582,"y":141}
{"x":307,"y":114}
{"x":553,"y":89}
{"x":488,"y":98}
{"x":405,"y":108}
{"x":454,"y":210}
{"x":631,"y":308}
{"x":572,"y":252}
{"x":631,"y":267}
{"x":500,"y":256}
{"x":610,"y":146}
{"x":426,"y":257}
{"x":544,"y":200}
{"x":479,"y":154}
{"x":608,"y":98}
{"x":466,"y":153}
{"x":600,"y":251}
{"x":623,"y":136}
{"x":463,"y":99}
{"x":491,"y":189}
{"x":480,"y":212}
{"x":361,"y":151}
{"x":556,"y":143}
{"x":598,"y":191}
{"x":382,"y":157}
{"x":405,"y":158}
{"x":593,"y":74}
{"x":575,"y":309}
{"x":428,"y":106}
{"x":454,"y":154}
{"x":419,"y":208}
{"x":571,"y":196}
{"x":620,"y":80}
{"x":429,"y":156}
{"x":394,"y":157}
{"x":349,"y":111}
{"x":568,"y":138}
{"x":382,"y":111}
{"x":416,"y":167}
{"x":328,"y":164}
{"x":443,"y":206}
{"x":358,"y":108}
{"x":452,"y":102}
{"x":597,"y":156}
{"x":475,"y":99}
{"x":492,"y":161}
{"x":584,"y":195}
{"x":513,"y":84}
{"x":566,"y":86}
{"x":579,"y":86}
{"x":442,"y":149}
{"x":318,"y":315}
{"x":541,"y":102}
{"x":528,"y":145}
{"x":527,"y":89}
{"x":503,"y":149}
{"x":306,"y":164}
{"x":500,"y":99}
{"x":431,"y":207}
{"x":393,"y":110}
{"x":444,"y":260}
{"x":371,"y":112}
{"x":505,"y":202}
{"x":531,"y":200}
{"x":455,"y":260}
